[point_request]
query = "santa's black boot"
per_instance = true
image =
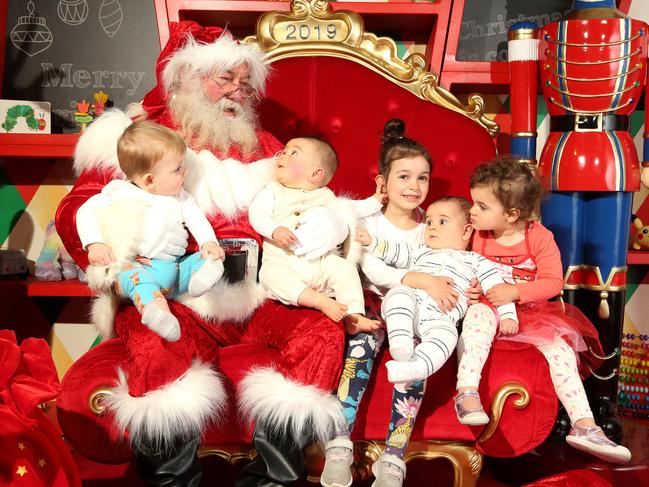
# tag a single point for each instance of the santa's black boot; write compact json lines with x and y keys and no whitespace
{"x":279,"y":461}
{"x":178,"y":466}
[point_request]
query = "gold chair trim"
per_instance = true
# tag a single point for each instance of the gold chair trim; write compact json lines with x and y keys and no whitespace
{"x":233,"y":454}
{"x":96,"y":397}
{"x":498,"y":404}
{"x":312,"y":28}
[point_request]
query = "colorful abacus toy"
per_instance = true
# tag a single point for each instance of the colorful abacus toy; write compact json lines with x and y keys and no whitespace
{"x":633,"y":388}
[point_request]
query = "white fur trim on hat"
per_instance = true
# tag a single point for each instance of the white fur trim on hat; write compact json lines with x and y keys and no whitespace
{"x":219,"y":56}
{"x":287,"y":407}
{"x":97,"y":146}
{"x":181,"y":409}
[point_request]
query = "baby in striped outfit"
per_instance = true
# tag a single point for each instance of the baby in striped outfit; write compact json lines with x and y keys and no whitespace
{"x":412,"y":312}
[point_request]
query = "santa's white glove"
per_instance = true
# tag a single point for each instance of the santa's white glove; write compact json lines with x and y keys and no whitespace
{"x":319,"y":230}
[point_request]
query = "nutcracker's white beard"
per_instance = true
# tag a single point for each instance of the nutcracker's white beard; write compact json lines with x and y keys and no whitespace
{"x":206,"y":124}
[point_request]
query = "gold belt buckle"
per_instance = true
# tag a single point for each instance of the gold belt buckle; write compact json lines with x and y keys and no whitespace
{"x":589,"y":122}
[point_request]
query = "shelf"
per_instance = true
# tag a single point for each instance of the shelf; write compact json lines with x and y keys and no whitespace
{"x":49,"y":146}
{"x":638,"y":257}
{"x":34,"y":288}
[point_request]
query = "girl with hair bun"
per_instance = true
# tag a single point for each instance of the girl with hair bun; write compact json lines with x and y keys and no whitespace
{"x":404,"y":175}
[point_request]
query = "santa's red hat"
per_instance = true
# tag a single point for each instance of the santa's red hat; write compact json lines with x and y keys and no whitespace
{"x":196,"y":50}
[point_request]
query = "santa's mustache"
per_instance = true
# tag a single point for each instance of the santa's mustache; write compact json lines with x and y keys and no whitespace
{"x":218,"y":125}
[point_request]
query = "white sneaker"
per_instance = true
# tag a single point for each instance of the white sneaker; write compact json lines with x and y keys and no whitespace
{"x":339,"y":456}
{"x":389,"y":471}
{"x":594,"y":441}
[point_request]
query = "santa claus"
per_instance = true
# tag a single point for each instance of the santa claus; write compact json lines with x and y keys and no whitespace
{"x":166,"y":393}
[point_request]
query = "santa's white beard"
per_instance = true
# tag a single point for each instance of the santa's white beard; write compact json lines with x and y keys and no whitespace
{"x":206,"y":124}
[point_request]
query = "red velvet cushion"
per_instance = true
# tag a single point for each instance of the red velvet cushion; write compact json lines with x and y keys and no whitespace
{"x":519,"y":430}
{"x":95,"y":437}
{"x":348,"y":104}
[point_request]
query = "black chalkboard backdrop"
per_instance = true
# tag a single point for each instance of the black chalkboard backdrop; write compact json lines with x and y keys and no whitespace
{"x":483,"y":35}
{"x":64,"y":51}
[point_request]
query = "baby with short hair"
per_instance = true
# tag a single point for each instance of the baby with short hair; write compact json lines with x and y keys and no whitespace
{"x":330,"y":283}
{"x":152,"y":158}
{"x":409,"y":312}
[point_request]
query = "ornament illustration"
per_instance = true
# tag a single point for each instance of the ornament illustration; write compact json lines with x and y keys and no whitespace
{"x":73,"y":12}
{"x":31,"y":34}
{"x":110,"y":16}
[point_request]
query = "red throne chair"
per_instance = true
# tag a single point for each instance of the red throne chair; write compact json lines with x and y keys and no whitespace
{"x":344,"y":88}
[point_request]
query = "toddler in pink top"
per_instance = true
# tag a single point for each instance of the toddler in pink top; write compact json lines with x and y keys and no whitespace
{"x":506,"y":198}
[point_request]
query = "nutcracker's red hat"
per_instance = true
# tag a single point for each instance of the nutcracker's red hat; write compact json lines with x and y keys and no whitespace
{"x":194,"y":49}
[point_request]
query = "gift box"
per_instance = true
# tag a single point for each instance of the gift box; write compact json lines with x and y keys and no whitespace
{"x":25,"y":117}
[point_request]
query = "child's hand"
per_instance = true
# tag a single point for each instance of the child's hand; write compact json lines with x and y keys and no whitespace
{"x":284,"y":237}
{"x":473,"y":292}
{"x":100,"y":254}
{"x":143,"y":260}
{"x":508,"y":327}
{"x":363,"y":237}
{"x":381,"y":194}
{"x":438,"y":287}
{"x":502,"y":294}
{"x":212,"y":250}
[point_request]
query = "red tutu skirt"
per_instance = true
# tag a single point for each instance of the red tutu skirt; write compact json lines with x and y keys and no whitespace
{"x":541,"y":322}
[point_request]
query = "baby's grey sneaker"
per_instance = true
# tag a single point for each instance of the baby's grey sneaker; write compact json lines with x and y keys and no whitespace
{"x":164,"y":324}
{"x":205,"y":278}
{"x":389,"y":471}
{"x":339,"y":456}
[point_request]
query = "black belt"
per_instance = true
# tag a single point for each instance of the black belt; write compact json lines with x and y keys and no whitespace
{"x":586,"y":122}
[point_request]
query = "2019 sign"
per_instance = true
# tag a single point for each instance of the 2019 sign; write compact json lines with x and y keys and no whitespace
{"x":312,"y":30}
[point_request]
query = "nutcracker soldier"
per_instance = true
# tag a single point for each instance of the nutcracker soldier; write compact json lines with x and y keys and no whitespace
{"x":593,"y":71}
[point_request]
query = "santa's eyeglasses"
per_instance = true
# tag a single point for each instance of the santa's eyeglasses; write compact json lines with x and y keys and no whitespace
{"x":229,"y":87}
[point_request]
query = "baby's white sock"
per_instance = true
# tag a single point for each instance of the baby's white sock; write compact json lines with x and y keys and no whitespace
{"x":164,"y":324}
{"x":205,"y":278}
{"x":401,"y":348}
{"x":406,"y":371}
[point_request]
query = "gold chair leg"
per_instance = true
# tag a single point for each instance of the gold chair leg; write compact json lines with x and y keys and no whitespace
{"x":465,"y":459}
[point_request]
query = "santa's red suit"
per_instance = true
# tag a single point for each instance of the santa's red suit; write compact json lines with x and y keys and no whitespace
{"x":168,"y":388}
